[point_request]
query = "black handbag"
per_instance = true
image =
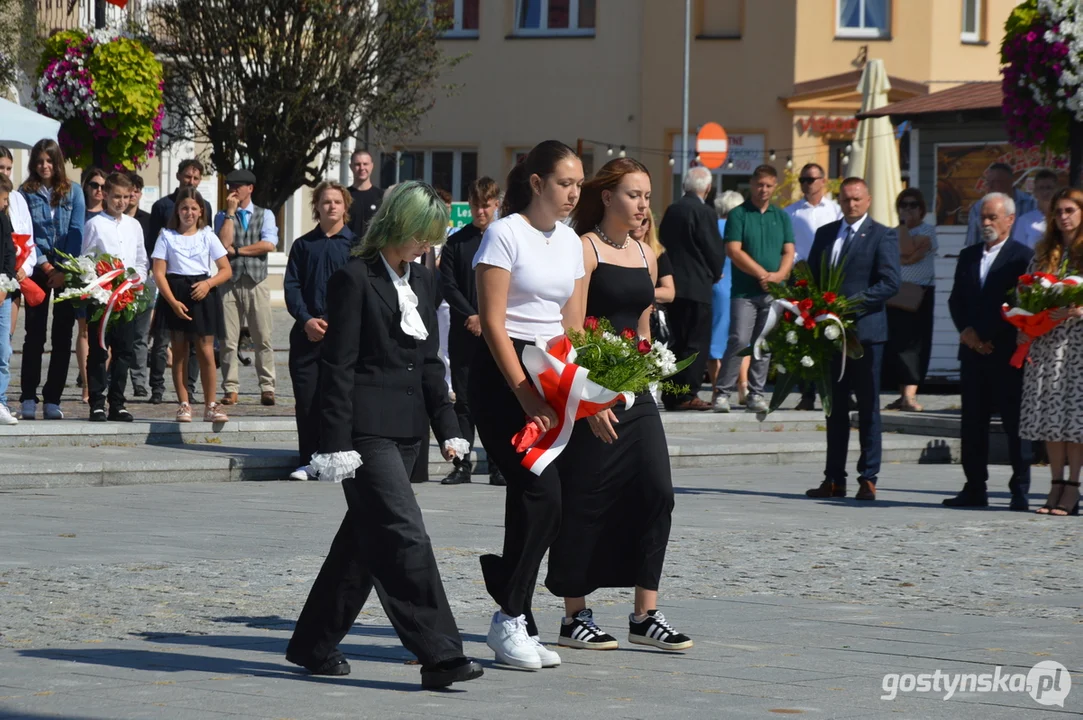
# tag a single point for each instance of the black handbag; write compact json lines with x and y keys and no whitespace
{"x":660,"y":325}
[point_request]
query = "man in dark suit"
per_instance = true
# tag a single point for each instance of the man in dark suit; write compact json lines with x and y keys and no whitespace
{"x":457,"y":281}
{"x":984,"y":276}
{"x":869,"y":255}
{"x":689,"y":231}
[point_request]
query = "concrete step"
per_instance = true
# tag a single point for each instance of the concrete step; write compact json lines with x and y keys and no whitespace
{"x":108,"y":465}
{"x":82,"y":433}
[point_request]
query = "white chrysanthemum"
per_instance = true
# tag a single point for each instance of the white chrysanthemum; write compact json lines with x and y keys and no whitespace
{"x":791,"y":337}
{"x":806,"y":361}
{"x":831,"y":332}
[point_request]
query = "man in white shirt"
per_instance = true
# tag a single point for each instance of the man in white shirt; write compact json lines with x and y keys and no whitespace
{"x":1030,"y":226}
{"x":813,"y":211}
{"x":809,"y":215}
{"x":999,"y":178}
{"x":114,"y":233}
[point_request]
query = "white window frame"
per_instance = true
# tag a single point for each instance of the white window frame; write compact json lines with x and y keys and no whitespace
{"x":573,"y":29}
{"x":971,"y":36}
{"x":863,"y":31}
{"x":456,"y":30}
{"x":457,"y":191}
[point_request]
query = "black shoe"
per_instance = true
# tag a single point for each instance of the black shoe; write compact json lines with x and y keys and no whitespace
{"x":807,"y":403}
{"x":1019,"y":491}
{"x":866,"y":490}
{"x":97,"y":415}
{"x":581,"y":632}
{"x":495,"y":476}
{"x":968,"y":497}
{"x":157,"y":397}
{"x":333,"y":664}
{"x":445,"y":673}
{"x":139,"y":391}
{"x":459,"y":475}
{"x":655,"y":631}
{"x":120,"y":415}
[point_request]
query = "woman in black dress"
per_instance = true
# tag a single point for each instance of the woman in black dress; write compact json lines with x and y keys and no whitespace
{"x":616,"y":485}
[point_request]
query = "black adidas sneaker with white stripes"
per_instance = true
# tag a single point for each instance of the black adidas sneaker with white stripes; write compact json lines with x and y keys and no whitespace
{"x":655,"y":631}
{"x":581,"y":632}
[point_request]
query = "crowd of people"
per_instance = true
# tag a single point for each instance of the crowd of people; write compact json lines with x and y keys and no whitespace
{"x":543,"y":253}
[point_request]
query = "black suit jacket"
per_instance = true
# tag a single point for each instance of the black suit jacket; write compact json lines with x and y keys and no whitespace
{"x":7,"y":246}
{"x":457,"y":277}
{"x":376,"y":379}
{"x":689,"y":231}
{"x":870,"y":272}
{"x":976,"y":306}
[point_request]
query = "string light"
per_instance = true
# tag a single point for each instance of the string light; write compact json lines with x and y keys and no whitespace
{"x":849,"y":149}
{"x":771,"y":155}
{"x":729,"y":165}
{"x":609,"y":151}
{"x":697,"y":158}
{"x":672,"y":162}
{"x":789,"y":163}
{"x":845,"y":159}
{"x":622,"y":153}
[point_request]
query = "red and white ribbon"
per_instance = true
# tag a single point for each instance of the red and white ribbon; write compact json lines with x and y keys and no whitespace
{"x":565,"y":386}
{"x":774,"y":313}
{"x":121,"y":289}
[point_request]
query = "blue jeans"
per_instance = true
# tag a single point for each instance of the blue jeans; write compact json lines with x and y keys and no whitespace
{"x":5,"y":349}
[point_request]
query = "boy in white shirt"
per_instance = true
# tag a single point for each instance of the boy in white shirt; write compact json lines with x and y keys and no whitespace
{"x":118,"y":234}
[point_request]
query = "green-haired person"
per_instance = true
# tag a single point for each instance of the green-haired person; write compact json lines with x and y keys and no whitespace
{"x":381,"y":383}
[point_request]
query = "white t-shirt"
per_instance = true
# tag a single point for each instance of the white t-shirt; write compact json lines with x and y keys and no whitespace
{"x":120,"y":237}
{"x":543,"y":267}
{"x":1029,"y":228}
{"x":189,"y":254}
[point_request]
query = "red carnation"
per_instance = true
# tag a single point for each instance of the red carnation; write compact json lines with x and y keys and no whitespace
{"x":830,"y":297}
{"x":628,"y":334}
{"x":1027,"y":280}
{"x":643,"y":347}
{"x":801,"y":283}
{"x":591,"y":323}
{"x":805,"y":304}
{"x":809,"y":323}
{"x":787,"y":316}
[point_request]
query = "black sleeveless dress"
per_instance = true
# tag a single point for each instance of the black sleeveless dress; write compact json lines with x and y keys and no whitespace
{"x":617,"y":499}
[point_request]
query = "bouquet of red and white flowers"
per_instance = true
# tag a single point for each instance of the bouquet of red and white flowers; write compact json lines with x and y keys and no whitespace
{"x":32,"y":292}
{"x":1035,"y":298}
{"x":807,"y":324}
{"x":103,"y":285}
{"x":582,"y":373}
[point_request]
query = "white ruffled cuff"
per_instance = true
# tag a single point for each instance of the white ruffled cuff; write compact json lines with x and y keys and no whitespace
{"x":460,"y":446}
{"x":336,"y":466}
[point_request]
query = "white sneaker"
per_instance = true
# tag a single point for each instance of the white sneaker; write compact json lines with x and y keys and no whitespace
{"x":508,"y":639}
{"x":756,"y":404}
{"x":30,"y":409}
{"x":722,"y":404}
{"x":52,"y":412}
{"x":549,"y":659}
{"x":6,"y":418}
{"x":302,"y":473}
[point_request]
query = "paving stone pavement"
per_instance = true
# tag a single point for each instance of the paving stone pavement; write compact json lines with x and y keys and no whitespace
{"x":176,"y":601}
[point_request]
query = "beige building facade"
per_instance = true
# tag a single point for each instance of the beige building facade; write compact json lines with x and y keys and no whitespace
{"x":779,"y":75}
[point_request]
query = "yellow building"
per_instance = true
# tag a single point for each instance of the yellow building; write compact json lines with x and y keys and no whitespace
{"x":777,"y":74}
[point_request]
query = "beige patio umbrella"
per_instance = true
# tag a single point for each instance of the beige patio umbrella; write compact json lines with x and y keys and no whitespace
{"x":875,"y":155}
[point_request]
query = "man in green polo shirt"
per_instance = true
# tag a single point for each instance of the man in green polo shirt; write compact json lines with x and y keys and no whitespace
{"x":759,"y":242}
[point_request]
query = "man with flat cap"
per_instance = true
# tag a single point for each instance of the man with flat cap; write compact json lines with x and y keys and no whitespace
{"x":248,"y":233}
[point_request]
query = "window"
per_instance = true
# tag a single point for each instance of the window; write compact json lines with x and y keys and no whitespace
{"x":554,"y":17}
{"x":452,"y":170}
{"x":864,"y":18}
{"x":459,"y":16}
{"x":720,"y":19}
{"x":971,"y":21}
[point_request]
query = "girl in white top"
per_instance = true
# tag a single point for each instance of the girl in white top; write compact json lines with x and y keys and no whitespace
{"x":188,"y":300}
{"x":528,"y":267}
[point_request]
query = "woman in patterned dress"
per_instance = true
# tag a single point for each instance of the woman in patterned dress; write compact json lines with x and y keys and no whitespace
{"x":1053,"y":379}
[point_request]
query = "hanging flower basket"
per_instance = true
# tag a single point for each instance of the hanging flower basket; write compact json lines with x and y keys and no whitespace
{"x":104,"y":86}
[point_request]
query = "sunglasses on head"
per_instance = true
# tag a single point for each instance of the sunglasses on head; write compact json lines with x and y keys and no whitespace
{"x":909,"y":206}
{"x":807,"y":179}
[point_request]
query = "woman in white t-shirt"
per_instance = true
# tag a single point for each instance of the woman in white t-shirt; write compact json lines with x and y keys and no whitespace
{"x":188,"y":300}
{"x":528,"y":267}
